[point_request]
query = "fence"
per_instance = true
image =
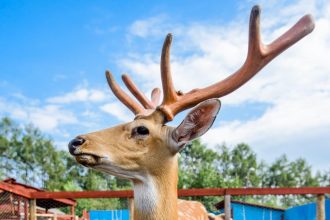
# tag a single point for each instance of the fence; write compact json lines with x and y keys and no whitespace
{"x":250,"y":211}
{"x":32,"y":205}
{"x":17,"y":203}
{"x":226,"y":192}
{"x":13,"y":206}
{"x":109,"y":214}
{"x":306,"y":212}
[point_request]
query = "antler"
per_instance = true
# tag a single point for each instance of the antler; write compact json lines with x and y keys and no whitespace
{"x":258,"y":56}
{"x":128,"y":101}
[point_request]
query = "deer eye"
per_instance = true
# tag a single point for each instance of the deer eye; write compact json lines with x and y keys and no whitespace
{"x":141,"y":130}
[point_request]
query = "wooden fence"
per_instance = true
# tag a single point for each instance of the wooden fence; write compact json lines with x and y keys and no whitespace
{"x":226,"y":192}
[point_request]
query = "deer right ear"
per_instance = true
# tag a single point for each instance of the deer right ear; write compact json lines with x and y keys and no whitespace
{"x":196,"y":123}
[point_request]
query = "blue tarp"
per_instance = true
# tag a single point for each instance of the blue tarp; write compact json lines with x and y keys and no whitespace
{"x":306,"y":212}
{"x":109,"y":215}
{"x":240,"y":212}
{"x":250,"y":212}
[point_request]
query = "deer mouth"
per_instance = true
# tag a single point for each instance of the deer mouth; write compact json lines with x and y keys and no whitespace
{"x":87,"y":159}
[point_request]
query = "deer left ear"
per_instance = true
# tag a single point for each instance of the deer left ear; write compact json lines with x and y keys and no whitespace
{"x":196,"y":123}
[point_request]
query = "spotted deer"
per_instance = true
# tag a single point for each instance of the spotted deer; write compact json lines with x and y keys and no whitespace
{"x":145,"y":150}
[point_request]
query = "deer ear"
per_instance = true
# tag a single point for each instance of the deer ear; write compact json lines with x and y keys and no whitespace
{"x":196,"y":123}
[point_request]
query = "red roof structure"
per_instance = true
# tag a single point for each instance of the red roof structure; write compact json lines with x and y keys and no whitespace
{"x":24,"y":190}
{"x":15,"y":197}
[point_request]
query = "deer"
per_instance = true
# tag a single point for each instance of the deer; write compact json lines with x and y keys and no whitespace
{"x":217,"y":217}
{"x":145,"y":150}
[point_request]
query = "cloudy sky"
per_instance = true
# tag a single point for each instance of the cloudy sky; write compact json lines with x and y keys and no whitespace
{"x":53,"y":55}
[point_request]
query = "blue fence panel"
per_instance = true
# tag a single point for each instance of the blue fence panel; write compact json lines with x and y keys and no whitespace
{"x":305,"y":212}
{"x":109,"y":215}
{"x":248,"y":212}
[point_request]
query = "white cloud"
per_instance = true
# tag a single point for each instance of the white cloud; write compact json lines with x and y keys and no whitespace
{"x":118,"y":110}
{"x":48,"y":117}
{"x":62,"y":121}
{"x":145,"y":27}
{"x":79,"y":95}
{"x":62,"y":145}
{"x":296,"y":128}
{"x":296,"y":84}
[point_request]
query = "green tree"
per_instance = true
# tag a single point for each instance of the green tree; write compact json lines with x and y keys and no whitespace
{"x":31,"y":157}
{"x":283,"y":173}
{"x":244,"y":166}
{"x":324,"y":178}
{"x":197,"y":169}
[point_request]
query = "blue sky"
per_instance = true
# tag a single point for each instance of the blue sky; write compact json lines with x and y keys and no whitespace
{"x":53,"y":55}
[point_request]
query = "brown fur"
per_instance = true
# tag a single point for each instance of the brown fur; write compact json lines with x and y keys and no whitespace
{"x":118,"y":152}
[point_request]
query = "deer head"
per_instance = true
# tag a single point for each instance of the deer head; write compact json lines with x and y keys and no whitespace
{"x":145,"y":149}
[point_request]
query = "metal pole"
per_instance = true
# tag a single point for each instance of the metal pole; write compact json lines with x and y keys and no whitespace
{"x":320,"y":207}
{"x":227,"y":208}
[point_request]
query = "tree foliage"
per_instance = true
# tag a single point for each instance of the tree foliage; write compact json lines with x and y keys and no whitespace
{"x":201,"y":167}
{"x":30,"y":157}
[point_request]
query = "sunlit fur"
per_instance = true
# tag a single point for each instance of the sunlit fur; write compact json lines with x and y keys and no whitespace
{"x":133,"y":157}
{"x":149,"y":161}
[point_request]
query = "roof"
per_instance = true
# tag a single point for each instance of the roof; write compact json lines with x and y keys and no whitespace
{"x":221,"y":205}
{"x":10,"y":185}
{"x":13,"y":181}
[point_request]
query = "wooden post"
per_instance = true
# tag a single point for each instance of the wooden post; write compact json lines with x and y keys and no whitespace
{"x":73,"y":212}
{"x":26,"y":212}
{"x":33,"y":209}
{"x":131,"y":208}
{"x":227,"y":207}
{"x":85,"y":215}
{"x":320,"y":207}
{"x":19,"y":207}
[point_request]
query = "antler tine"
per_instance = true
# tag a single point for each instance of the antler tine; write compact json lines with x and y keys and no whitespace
{"x":122,"y":96}
{"x":169,"y":92}
{"x":137,"y":93}
{"x":155,"y":96}
{"x":255,"y":46}
{"x":258,"y":56}
{"x":268,"y":52}
{"x":302,"y":28}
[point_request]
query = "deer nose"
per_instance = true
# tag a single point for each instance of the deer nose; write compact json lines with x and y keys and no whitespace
{"x":74,"y":144}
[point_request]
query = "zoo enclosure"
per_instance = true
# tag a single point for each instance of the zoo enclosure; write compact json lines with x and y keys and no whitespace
{"x":226,"y":192}
{"x":32,"y":199}
{"x":17,"y":203}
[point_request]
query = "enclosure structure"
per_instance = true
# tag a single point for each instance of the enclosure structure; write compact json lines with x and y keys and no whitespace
{"x":318,"y":192}
{"x":16,"y":202}
{"x":109,"y":214}
{"x":251,"y":211}
{"x":245,"y":211}
{"x":306,"y":212}
{"x":19,"y":201}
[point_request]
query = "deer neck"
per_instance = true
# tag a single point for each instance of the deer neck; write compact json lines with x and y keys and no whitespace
{"x":155,"y":197}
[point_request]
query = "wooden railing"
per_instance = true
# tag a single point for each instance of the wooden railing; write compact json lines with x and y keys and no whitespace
{"x":186,"y":192}
{"x":226,"y":192}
